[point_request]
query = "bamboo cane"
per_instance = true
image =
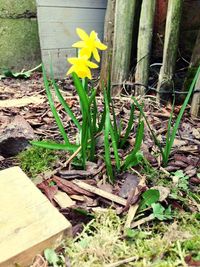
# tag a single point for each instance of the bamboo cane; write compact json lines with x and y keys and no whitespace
{"x":124,"y":17}
{"x":144,"y":45}
{"x":108,"y":40}
{"x":165,"y":83}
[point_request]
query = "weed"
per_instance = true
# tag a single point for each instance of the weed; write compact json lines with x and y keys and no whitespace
{"x":36,"y":160}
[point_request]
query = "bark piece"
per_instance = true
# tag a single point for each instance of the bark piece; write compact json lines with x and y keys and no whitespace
{"x":15,"y":134}
{"x":130,"y":183}
{"x":63,"y":200}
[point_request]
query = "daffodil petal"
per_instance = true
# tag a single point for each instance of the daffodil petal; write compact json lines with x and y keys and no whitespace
{"x":72,"y":60}
{"x":100,"y":45}
{"x":93,"y":35}
{"x":70,"y":70}
{"x":85,"y":52}
{"x":92,"y":65}
{"x":79,"y":44}
{"x":96,"y":55}
{"x":82,"y":34}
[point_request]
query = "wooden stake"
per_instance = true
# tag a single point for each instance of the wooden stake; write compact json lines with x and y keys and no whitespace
{"x":194,"y":64}
{"x":124,"y":17}
{"x":108,"y":40}
{"x":165,"y":84}
{"x":195,"y":106}
{"x":144,"y":45}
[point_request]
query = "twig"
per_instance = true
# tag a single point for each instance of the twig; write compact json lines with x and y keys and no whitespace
{"x":119,"y":263}
{"x":72,"y":156}
{"x":101,"y":192}
{"x":131,"y":214}
{"x":142,"y":221}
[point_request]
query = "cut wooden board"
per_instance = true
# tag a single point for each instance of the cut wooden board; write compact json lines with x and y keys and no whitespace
{"x":57,"y":22}
{"x":29,"y":223}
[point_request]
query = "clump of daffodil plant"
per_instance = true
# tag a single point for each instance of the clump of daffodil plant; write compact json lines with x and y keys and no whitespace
{"x":93,"y":123}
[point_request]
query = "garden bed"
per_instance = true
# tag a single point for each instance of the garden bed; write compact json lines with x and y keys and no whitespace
{"x":164,"y":236}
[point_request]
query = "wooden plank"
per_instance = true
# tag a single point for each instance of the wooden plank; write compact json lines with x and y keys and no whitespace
{"x":57,"y":26}
{"x":74,"y":3}
{"x":59,"y":60}
{"x":28,"y":221}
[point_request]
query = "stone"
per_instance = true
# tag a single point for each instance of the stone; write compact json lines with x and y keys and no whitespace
{"x":15,"y":134}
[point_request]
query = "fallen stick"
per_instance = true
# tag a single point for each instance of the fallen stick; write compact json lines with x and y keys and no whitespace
{"x":101,"y":192}
{"x":119,"y":263}
{"x":142,"y":221}
{"x":131,"y":214}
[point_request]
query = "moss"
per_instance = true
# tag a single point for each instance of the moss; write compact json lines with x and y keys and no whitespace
{"x":36,"y":160}
{"x":19,"y":43}
{"x":158,"y":245}
{"x":16,"y":8}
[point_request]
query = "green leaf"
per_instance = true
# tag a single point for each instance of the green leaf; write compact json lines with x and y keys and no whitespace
{"x":149,"y":197}
{"x":169,"y":145}
{"x":7,"y":73}
{"x":49,"y":145}
{"x":62,"y":101}
{"x":107,"y":144}
{"x":129,"y":127}
{"x":130,"y":233}
{"x":156,"y":141}
{"x":138,"y":143}
{"x":53,"y":109}
{"x":92,"y":97}
{"x":51,"y":256}
{"x":86,"y":122}
{"x":82,"y":94}
{"x":158,"y":211}
{"x":112,"y":134}
{"x":179,"y":174}
{"x":93,"y":130}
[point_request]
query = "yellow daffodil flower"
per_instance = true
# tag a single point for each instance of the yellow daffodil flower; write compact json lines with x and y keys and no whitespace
{"x":81,"y":66}
{"x":89,"y":44}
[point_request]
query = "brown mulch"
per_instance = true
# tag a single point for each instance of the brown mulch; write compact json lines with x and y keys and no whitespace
{"x":185,"y":153}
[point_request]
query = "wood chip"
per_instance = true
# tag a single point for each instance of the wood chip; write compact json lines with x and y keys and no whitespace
{"x":21,"y":102}
{"x":100,"y":192}
{"x":63,"y":200}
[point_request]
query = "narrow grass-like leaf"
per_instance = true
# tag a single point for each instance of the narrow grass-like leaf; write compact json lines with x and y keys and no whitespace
{"x":129,"y":127}
{"x":62,"y":101}
{"x":169,"y":126}
{"x":115,"y":128}
{"x":93,"y":130}
{"x":103,"y":116}
{"x":84,"y":102}
{"x":138,"y":143}
{"x":178,"y":120}
{"x":114,"y":145}
{"x":112,"y":134}
{"x":92,"y":97}
{"x":156,"y":141}
{"x":107,"y":145}
{"x":54,"y":146}
{"x":81,"y":92}
{"x":53,"y":109}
